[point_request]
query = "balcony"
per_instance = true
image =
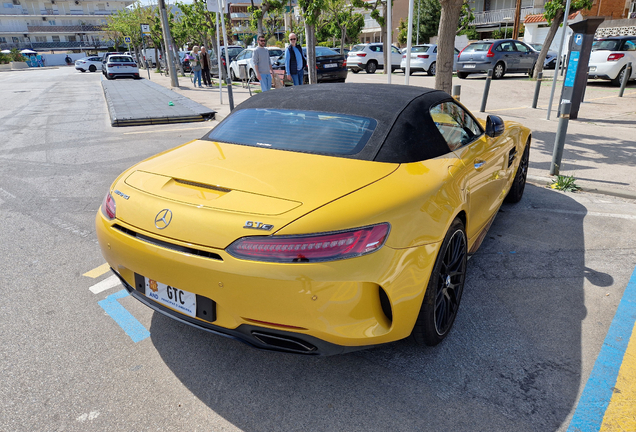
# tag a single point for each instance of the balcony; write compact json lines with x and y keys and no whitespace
{"x":71,"y":45}
{"x":49,"y":12}
{"x":497,"y":16}
{"x":65,"y":29}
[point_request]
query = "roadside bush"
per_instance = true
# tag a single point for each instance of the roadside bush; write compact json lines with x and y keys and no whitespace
{"x":4,"y":58}
{"x":16,"y":56}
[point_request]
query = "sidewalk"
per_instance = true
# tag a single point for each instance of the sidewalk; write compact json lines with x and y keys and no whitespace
{"x":600,"y":147}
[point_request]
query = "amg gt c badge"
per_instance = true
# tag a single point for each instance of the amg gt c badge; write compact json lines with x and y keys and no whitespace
{"x":258,"y":226}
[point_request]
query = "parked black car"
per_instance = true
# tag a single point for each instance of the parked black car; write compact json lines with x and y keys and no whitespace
{"x":330,"y":66}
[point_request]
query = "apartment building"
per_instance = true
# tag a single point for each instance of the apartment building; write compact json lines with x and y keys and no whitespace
{"x":56,"y":25}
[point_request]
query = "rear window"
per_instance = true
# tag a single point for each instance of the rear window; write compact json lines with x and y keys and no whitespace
{"x":477,"y":47}
{"x":606,"y":45}
{"x":419,"y":49}
{"x":120,"y":59}
{"x":357,"y":48}
{"x":302,"y":131}
{"x":323,"y":51}
{"x":275,"y":53}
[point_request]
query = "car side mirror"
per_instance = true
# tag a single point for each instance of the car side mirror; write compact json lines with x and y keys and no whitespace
{"x":494,"y":126}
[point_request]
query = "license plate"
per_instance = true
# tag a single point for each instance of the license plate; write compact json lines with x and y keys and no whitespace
{"x":330,"y":65}
{"x":175,"y":298}
{"x":469,"y":66}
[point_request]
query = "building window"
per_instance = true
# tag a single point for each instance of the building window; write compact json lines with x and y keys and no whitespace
{"x":40,"y":38}
{"x":55,"y":38}
{"x":71,"y":39}
{"x":3,"y":39}
{"x":51,"y":22}
{"x":101,"y":6}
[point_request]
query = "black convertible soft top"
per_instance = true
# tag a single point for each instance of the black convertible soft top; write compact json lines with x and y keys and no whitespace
{"x":405,"y":131}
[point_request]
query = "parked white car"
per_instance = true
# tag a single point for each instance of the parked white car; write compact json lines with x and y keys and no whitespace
{"x":90,"y":64}
{"x":370,"y":57}
{"x":610,"y":56}
{"x":424,"y":59}
{"x":245,"y":58}
{"x":118,"y":66}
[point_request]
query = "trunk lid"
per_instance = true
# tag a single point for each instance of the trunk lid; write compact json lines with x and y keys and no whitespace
{"x":214,"y":189}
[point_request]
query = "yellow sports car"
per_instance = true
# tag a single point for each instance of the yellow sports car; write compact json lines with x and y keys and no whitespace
{"x":316,"y":219}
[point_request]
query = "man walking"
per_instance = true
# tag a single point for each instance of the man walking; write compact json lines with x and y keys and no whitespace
{"x":205,"y":67}
{"x":294,"y":61}
{"x":263,"y":65}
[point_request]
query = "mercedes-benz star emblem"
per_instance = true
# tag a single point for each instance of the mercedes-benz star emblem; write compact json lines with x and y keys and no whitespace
{"x":163,"y":219}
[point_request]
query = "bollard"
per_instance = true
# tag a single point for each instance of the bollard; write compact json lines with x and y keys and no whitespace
{"x":457,"y":90}
{"x":626,"y":75}
{"x":536,"y":90}
{"x":559,"y":140}
{"x":486,"y":90}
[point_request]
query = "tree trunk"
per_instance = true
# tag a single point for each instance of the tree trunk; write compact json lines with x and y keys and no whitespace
{"x":448,"y":23}
{"x":343,"y":35}
{"x":556,"y":22}
{"x":310,"y":35}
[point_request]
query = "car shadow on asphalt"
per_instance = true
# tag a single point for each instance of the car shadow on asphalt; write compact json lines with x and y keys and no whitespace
{"x":512,"y":362}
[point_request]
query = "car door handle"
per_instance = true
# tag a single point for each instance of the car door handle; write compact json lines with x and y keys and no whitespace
{"x":479,"y":164}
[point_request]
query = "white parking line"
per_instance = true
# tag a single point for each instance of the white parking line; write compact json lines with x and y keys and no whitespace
{"x":104,"y":285}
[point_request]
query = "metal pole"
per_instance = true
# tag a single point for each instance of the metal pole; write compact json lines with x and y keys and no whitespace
{"x":486,"y":90}
{"x":559,"y":140}
{"x":143,"y":37}
{"x":537,"y":88}
{"x":457,"y":91}
{"x":174,"y":82}
{"x":218,"y":59}
{"x":626,"y":75}
{"x":409,"y":38}
{"x":389,"y":40}
{"x":228,"y":79}
{"x":417,"y":42}
{"x":565,"y":28}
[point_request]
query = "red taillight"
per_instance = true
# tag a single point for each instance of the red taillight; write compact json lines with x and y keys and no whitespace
{"x":422,"y":56}
{"x":311,"y":248}
{"x":403,"y":55}
{"x":344,"y":63}
{"x":490,"y":53}
{"x":615,"y":57}
{"x":223,"y":60}
{"x":361,"y":54}
{"x":109,"y":207}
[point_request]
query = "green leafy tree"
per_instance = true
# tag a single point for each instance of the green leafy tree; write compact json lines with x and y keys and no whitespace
{"x":378,"y":9}
{"x":340,"y":21}
{"x":311,"y":11}
{"x":258,"y":14}
{"x":554,"y":12}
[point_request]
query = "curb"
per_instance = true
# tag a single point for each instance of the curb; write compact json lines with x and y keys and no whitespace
{"x":543,"y":181}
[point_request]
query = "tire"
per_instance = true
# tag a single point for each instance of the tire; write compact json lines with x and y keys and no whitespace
{"x":92,"y":68}
{"x":619,"y":78}
{"x":519,"y":183}
{"x":444,"y":290}
{"x":82,"y":70}
{"x":355,"y":71}
{"x":531,"y":70}
{"x":498,"y":71}
{"x":371,"y":67}
{"x":252,"y":75}
{"x":432,"y":70}
{"x":232,"y":76}
{"x":462,"y":75}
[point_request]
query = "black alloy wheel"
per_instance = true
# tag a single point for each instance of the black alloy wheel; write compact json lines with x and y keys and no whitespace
{"x":92,"y":68}
{"x":519,"y":183}
{"x":253,"y":76}
{"x":371,"y":67}
{"x":445,"y":288}
{"x":499,"y":71}
{"x":619,"y":78}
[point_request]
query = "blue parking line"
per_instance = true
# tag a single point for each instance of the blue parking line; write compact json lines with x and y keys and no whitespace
{"x":126,"y":321}
{"x":596,"y":397}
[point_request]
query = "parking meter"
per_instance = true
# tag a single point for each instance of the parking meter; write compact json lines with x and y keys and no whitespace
{"x":578,"y":59}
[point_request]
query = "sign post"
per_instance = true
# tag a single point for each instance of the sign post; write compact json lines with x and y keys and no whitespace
{"x":127,"y":39}
{"x":145,"y":31}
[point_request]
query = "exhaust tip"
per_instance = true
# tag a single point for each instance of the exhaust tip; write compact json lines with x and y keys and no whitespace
{"x":284,"y":342}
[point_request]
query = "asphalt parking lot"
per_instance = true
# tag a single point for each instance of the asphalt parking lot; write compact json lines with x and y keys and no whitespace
{"x":541,"y":294}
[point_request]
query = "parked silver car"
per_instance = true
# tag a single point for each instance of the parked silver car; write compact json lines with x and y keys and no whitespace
{"x":502,"y":56}
{"x":424,"y":59}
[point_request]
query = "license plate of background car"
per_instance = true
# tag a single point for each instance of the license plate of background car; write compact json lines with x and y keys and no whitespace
{"x":330,"y":65}
{"x":469,"y":66}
